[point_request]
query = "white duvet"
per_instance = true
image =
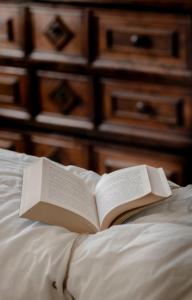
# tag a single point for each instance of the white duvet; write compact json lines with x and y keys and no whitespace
{"x":149,"y":258}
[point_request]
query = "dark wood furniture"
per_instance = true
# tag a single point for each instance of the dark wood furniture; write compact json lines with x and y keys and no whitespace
{"x":99,"y":84}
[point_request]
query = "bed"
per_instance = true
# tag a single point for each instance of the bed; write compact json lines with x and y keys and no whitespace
{"x":149,"y":258}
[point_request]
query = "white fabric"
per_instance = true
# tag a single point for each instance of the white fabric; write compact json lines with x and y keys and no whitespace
{"x":150,"y":258}
{"x":33,"y":256}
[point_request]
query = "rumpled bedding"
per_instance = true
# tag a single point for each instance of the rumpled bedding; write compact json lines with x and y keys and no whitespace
{"x":149,"y":258}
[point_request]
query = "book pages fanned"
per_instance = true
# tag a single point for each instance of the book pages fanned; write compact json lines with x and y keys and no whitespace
{"x":57,"y":196}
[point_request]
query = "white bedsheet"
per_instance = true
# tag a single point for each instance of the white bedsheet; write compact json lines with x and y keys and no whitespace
{"x":33,"y":256}
{"x":150,"y":258}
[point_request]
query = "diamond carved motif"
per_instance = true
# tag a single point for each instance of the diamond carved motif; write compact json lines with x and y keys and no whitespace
{"x":58,"y":33}
{"x":65,"y":98}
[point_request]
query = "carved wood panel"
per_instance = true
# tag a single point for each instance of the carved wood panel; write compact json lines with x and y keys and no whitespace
{"x":59,"y":34}
{"x":11,"y":30}
{"x":66,"y":100}
{"x":12,"y":141}
{"x":14,"y":102}
{"x":67,"y":151}
{"x":132,"y":40}
{"x":108,"y":160}
{"x":146,"y":105}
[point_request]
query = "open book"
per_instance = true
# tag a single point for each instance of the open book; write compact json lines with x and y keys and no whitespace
{"x":54,"y":195}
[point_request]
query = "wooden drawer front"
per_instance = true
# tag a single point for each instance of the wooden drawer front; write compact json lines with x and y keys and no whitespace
{"x":65,"y":100}
{"x":157,"y":106}
{"x":59,"y":149}
{"x":143,"y":38}
{"x":108,"y":160}
{"x":11,"y":141}
{"x":11,"y":36}
{"x":13,"y":93}
{"x":58,"y":34}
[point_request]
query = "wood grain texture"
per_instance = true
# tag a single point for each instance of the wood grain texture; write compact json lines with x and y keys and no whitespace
{"x":58,"y":34}
{"x":109,"y":160}
{"x":67,"y":151}
{"x":149,"y":39}
{"x":148,"y":105}
{"x":100,"y":84}
{"x":13,"y":93}
{"x":12,"y":141}
{"x":11,"y":31}
{"x":65,"y":99}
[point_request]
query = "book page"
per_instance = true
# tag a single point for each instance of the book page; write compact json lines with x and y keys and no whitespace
{"x":124,"y":217}
{"x":66,"y":190}
{"x":121,"y":187}
{"x":31,"y":187}
{"x":159,"y":183}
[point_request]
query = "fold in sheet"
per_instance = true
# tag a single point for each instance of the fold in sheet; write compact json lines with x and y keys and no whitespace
{"x":150,"y":257}
{"x":34,"y":257}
